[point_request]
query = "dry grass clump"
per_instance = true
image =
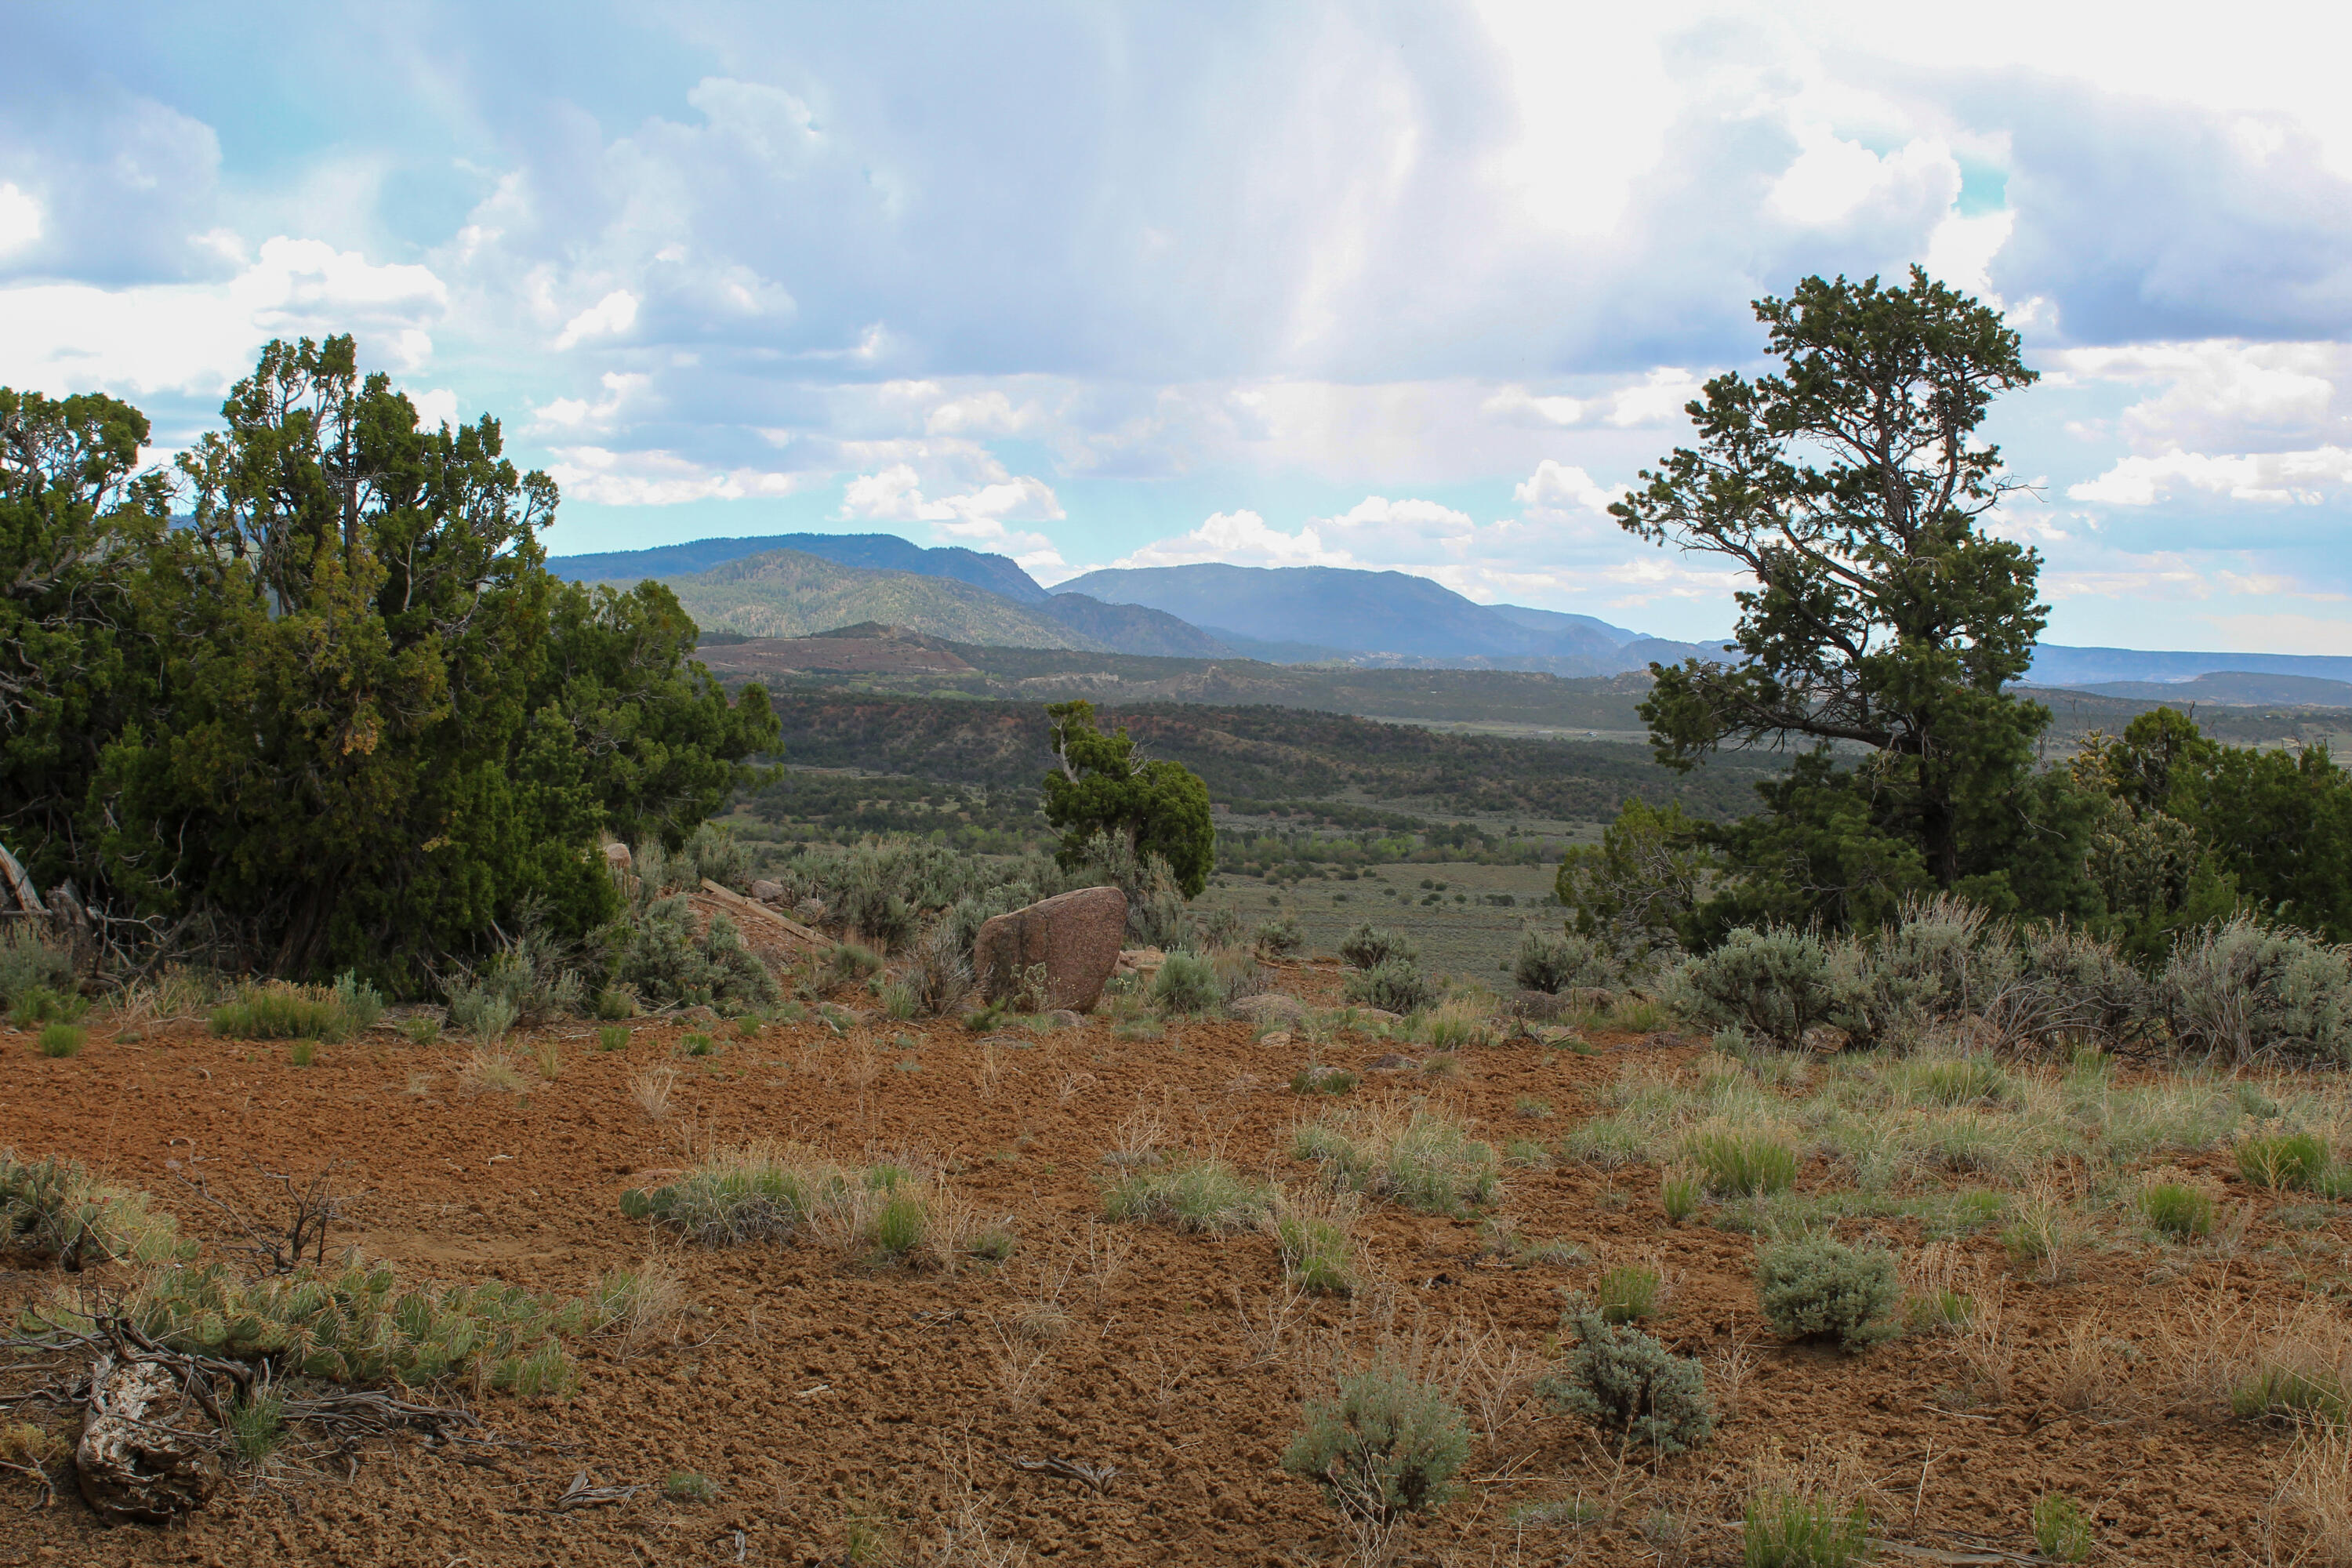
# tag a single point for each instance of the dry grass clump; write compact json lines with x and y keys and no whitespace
{"x":1422,"y":1157}
{"x":1205,"y":1194}
{"x":640,"y":1305}
{"x":487,"y":1071}
{"x":2228,"y":1356}
{"x":1809,"y":1515}
{"x":651,"y":1090}
{"x":2317,"y":1493}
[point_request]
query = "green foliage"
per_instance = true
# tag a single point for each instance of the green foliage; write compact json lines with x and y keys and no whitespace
{"x":742,"y":1195}
{"x":1318,"y":1254}
{"x":1819,"y":1287}
{"x":1322,"y":1080}
{"x":349,"y":1325}
{"x":1679,"y":1190}
{"x":1775,"y":982}
{"x":2176,"y":1208}
{"x":1395,"y":986}
{"x":257,"y":1425}
{"x":852,"y":962}
{"x":2279,"y":1391}
{"x":62,"y":1040}
{"x":900,"y":1225}
{"x":1389,"y":1446}
{"x":54,"y":1210}
{"x":1789,"y":1525}
{"x":2062,"y":1529}
{"x":659,"y":957}
{"x":1160,"y":808}
{"x":612,"y":1037}
{"x":1279,"y":938}
{"x":280,"y":1011}
{"x":343,"y":711}
{"x":1630,"y":1385}
{"x":1187,"y":983}
{"x":1627,"y":1293}
{"x":2238,"y":990}
{"x":2282,"y":1160}
{"x":1848,"y":487}
{"x":1552,"y":964}
{"x":1190,"y":1195}
{"x":1742,"y":1161}
{"x":39,"y":1005}
{"x":30,"y":963}
{"x":302,"y":1053}
{"x":1368,"y":947}
{"x":690,"y":1485}
{"x":1639,"y":888}
{"x":1425,"y":1160}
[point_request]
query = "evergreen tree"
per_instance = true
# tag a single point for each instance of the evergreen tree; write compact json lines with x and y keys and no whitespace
{"x":1160,"y":808}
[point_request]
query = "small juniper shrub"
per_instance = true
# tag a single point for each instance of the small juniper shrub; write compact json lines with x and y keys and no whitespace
{"x":1388,"y":1447}
{"x":1629,"y":1385}
{"x":1819,"y":1287}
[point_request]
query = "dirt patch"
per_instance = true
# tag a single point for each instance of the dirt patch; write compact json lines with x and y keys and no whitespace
{"x":828,"y":1401}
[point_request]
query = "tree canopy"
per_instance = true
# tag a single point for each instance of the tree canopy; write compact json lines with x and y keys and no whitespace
{"x":1161,"y":808}
{"x":1849,"y":486}
{"x":338,"y":711}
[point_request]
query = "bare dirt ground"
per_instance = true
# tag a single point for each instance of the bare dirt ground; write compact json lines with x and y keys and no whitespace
{"x":846,"y":1413}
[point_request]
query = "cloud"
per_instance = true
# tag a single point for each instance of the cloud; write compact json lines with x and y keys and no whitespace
{"x":978,"y":511}
{"x":609,"y":317}
{"x":2301,"y":478}
{"x":20,"y":220}
{"x":1555,"y":487}
{"x":658,"y":478}
{"x":1240,"y":539}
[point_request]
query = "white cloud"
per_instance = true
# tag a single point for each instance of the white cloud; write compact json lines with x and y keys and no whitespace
{"x":572,"y":416}
{"x":1518,"y":405}
{"x":2302,"y":479}
{"x":1660,"y":400}
{"x":20,"y":220}
{"x":1240,"y":539}
{"x":653,"y":478}
{"x":1555,"y":487}
{"x":609,"y":317}
{"x":895,"y":494}
{"x":1833,"y":178}
{"x":197,"y":338}
{"x":434,"y":408}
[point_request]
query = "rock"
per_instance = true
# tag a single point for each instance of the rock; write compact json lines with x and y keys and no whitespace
{"x":768,"y":891}
{"x":1275,"y":1041}
{"x":619,"y":857}
{"x":1063,"y":1018}
{"x":132,"y":1465}
{"x":1395,"y":1061}
{"x":1074,"y":936}
{"x":1377,"y":1015}
{"x":1270,"y":1007}
{"x":1315,"y":1077}
{"x":1143,"y":961}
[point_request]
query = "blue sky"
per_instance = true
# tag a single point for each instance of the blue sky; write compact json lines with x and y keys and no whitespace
{"x":1374,"y":284}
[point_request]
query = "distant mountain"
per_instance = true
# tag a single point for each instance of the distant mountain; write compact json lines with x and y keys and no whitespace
{"x":873,"y":552}
{"x":790,"y":594}
{"x":2232,"y":688}
{"x":1389,"y":618}
{"x":1132,"y":628}
{"x":2080,"y":667}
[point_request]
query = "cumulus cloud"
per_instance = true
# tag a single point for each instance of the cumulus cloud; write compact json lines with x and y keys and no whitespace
{"x":2301,"y":478}
{"x":659,"y":478}
{"x":20,"y":220}
{"x":609,"y":317}
{"x":1239,"y":539}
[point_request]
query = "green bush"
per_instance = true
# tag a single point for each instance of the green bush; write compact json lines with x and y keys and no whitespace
{"x":612,"y":1037}
{"x":852,"y":962}
{"x":2176,"y":1208}
{"x":614,"y":1002}
{"x":62,"y":1040}
{"x":1194,"y":1195}
{"x":1775,"y":983}
{"x":2062,"y":1529}
{"x":2239,"y":990}
{"x":1630,"y":1385}
{"x":1318,"y":1255}
{"x":56,"y":1211}
{"x":1553,"y":962}
{"x":1389,"y":1446}
{"x":1740,"y":1164}
{"x":348,"y":1325}
{"x":41,"y":1005}
{"x":658,"y":955}
{"x":1819,"y":1287}
{"x":900,"y":1225}
{"x":1187,"y":983}
{"x":361,"y":1001}
{"x":1279,"y":938}
{"x":2277,"y":1391}
{"x":1794,"y":1526}
{"x":1368,"y":947}
{"x":690,"y":1485}
{"x":1392,"y":986}
{"x":280,"y":1011}
{"x":1954,"y":1082}
{"x":28,"y":962}
{"x":256,"y":1425}
{"x":2282,"y":1160}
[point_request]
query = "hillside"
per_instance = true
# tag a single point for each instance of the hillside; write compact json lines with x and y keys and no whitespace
{"x":1130,"y":629}
{"x":2234,"y":689}
{"x":788,"y":593}
{"x":867,"y":552}
{"x":2056,"y":665}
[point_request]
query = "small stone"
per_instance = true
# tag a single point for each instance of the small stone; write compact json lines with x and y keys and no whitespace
{"x":1275,"y":1041}
{"x":619,"y":857}
{"x":768,"y":891}
{"x":1270,"y":1006}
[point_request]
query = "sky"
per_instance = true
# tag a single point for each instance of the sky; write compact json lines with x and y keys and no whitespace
{"x":1394,"y":285}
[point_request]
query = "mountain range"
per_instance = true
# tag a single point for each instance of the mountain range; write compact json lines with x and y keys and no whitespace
{"x":795,"y":585}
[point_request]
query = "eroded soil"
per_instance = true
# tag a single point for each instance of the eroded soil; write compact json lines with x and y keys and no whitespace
{"x":839,"y":1407}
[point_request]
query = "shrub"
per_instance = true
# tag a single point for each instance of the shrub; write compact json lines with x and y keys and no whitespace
{"x":1794,"y":1524}
{"x":1740,"y":1162}
{"x":1368,"y":947}
{"x":1940,"y":957}
{"x":280,"y":1011}
{"x":361,"y":1001}
{"x":41,"y":1005}
{"x":54,"y":1210}
{"x":1390,"y":1444}
{"x":532,"y":979}
{"x":2282,"y":1159}
{"x":302,"y":1053}
{"x":2061,"y":1531}
{"x":1322,"y":1080}
{"x":62,"y":1040}
{"x":2071,"y":982}
{"x":421,"y":1031}
{"x":2238,"y":990}
{"x":1628,"y":1293}
{"x":939,"y":971}
{"x":1425,"y":1160}
{"x":614,"y":1002}
{"x":612,"y":1037}
{"x":29,"y":961}
{"x":762,"y":1193}
{"x":1393,"y":987}
{"x":1220,"y":929}
{"x":2176,"y":1208}
{"x":658,"y":955}
{"x":1187,"y":983}
{"x":1196,"y":1196}
{"x":347,"y":1325}
{"x":1775,"y":982}
{"x":1819,"y":1287}
{"x":1279,"y":938}
{"x":1630,"y":1386}
{"x":1556,"y":961}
